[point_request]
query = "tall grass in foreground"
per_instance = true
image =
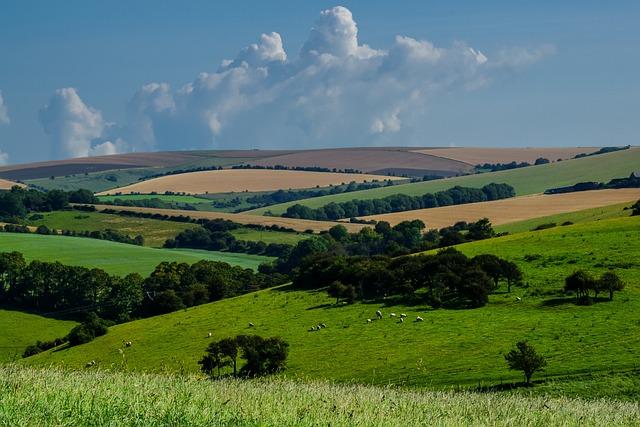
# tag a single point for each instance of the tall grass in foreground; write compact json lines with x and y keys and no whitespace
{"x":57,"y":397}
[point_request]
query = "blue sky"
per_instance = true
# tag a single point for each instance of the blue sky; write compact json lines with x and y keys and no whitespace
{"x":582,"y":89}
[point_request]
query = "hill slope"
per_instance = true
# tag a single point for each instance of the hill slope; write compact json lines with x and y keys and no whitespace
{"x":114,"y":258}
{"x":449,"y":347}
{"x":529,"y":180}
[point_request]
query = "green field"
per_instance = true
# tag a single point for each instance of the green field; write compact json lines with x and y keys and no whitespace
{"x":22,"y":329}
{"x":155,"y":232}
{"x":451,"y":347}
{"x":578,"y":217}
{"x":529,"y":180}
{"x":56,"y":397}
{"x":172,"y":198}
{"x":114,"y":258}
{"x":269,"y":236}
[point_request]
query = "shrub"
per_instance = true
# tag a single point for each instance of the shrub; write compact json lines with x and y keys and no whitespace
{"x":524,"y":358}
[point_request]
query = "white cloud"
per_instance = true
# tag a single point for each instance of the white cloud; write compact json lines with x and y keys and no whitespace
{"x":4,"y":158}
{"x":336,"y":92}
{"x":4,"y":112}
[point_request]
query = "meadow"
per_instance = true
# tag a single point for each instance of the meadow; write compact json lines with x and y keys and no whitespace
{"x":529,"y":180}
{"x":451,"y":347}
{"x":114,"y":258}
{"x":54,"y":397}
{"x":22,"y":329}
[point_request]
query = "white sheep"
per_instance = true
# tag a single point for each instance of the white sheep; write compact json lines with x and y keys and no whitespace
{"x":403,"y":315}
{"x":419,"y":319}
{"x":518,"y":299}
{"x":89,"y":364}
{"x":379,"y":314}
{"x":127,"y":343}
{"x":209,"y":334}
{"x":392,"y":315}
{"x":251,"y":325}
{"x":323,"y":325}
{"x":402,"y":320}
{"x":368,"y":320}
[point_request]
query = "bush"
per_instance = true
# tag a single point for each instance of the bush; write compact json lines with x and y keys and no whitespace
{"x":93,"y":327}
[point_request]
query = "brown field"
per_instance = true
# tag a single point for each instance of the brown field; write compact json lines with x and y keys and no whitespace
{"x":515,"y":209}
{"x":6,"y":185}
{"x":474,"y":156}
{"x":239,"y":180}
{"x":372,"y":160}
{"x":296,"y":224}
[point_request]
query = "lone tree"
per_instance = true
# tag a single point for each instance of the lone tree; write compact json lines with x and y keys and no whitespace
{"x":610,"y":282}
{"x":524,"y":358}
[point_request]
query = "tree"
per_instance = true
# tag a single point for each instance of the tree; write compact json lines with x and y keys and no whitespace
{"x":635,"y":208}
{"x":512,"y":273}
{"x":580,"y":282}
{"x":491,"y":265}
{"x":524,"y":358}
{"x":610,"y":282}
{"x":262,"y":356}
{"x":480,"y":230}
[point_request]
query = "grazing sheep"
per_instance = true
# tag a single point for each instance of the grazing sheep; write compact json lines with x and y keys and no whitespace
{"x":419,"y":319}
{"x":518,"y":299}
{"x":379,"y":314}
{"x":90,"y":364}
{"x":251,"y":325}
{"x":368,"y":320}
{"x":323,"y":325}
{"x":392,"y":315}
{"x":403,"y":315}
{"x":209,"y":334}
{"x":311,"y":329}
{"x":127,"y":343}
{"x":402,"y":320}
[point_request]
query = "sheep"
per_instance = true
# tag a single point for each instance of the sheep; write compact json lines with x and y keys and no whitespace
{"x":251,"y":325}
{"x":127,"y":343}
{"x":209,"y":335}
{"x":90,"y":364}
{"x":419,"y":319}
{"x":368,"y":320}
{"x":518,"y":299}
{"x":392,"y":315}
{"x":402,"y":320}
{"x":379,"y":314}
{"x":318,"y":327}
{"x":323,"y":325}
{"x":403,"y":315}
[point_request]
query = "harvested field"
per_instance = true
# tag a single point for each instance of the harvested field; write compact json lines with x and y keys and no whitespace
{"x":239,"y":180}
{"x":6,"y":185}
{"x":371,"y":160}
{"x":515,"y":209}
{"x":474,"y":156}
{"x":295,"y":224}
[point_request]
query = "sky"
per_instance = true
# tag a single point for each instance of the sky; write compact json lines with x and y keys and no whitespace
{"x":82,"y":78}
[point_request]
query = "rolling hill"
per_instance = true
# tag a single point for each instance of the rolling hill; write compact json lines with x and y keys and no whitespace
{"x":114,"y":258}
{"x":481,"y":155}
{"x":529,"y":180}
{"x":451,"y":347}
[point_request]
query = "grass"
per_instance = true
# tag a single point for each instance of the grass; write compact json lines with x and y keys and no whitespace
{"x":451,"y":347}
{"x":171,"y":198}
{"x":22,"y":329}
{"x":529,"y":180}
{"x":155,"y":232}
{"x":93,"y":397}
{"x":269,"y":236}
{"x":114,"y":258}
{"x":578,"y":217}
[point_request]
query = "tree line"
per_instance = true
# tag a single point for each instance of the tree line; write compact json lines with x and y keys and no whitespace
{"x":18,"y":202}
{"x":632,"y":181}
{"x":108,"y":234}
{"x":297,"y":168}
{"x":401,"y":202}
{"x":581,"y":284}
{"x":495,"y":167}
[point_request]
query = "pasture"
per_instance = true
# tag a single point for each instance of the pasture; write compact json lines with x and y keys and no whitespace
{"x":481,"y":155}
{"x":268,"y":236}
{"x":97,"y":397}
{"x":529,"y":180}
{"x":515,"y":209}
{"x":155,"y":232}
{"x":22,"y":329}
{"x":451,"y":347}
{"x":238,"y":180}
{"x":114,"y":258}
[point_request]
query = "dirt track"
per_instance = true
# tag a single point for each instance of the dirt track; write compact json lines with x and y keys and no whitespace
{"x":239,"y":180}
{"x":515,"y":209}
{"x":474,"y":156}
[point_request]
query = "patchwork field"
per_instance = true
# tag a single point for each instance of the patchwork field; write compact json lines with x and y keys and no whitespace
{"x":22,"y":329}
{"x":114,"y":258}
{"x":236,"y":180}
{"x":481,"y":155}
{"x":515,"y":209}
{"x":529,"y":180}
{"x":577,"y":340}
{"x":7,"y":185}
{"x":241,"y":218}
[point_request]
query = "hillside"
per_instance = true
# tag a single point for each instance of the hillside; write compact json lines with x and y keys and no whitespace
{"x":482,"y":155}
{"x":450,"y":347}
{"x":529,"y":180}
{"x":114,"y":258}
{"x":22,"y":329}
{"x":511,"y":210}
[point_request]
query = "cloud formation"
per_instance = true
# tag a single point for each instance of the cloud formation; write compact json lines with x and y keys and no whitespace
{"x":335,"y":92}
{"x":4,"y":112}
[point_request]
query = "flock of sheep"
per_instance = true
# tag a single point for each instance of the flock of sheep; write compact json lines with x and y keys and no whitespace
{"x":393,"y":315}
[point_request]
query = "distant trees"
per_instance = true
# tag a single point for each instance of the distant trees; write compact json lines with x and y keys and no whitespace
{"x":18,"y":202}
{"x":401,"y":202}
{"x":635,"y":208}
{"x":525,"y":358}
{"x":261,"y":356}
{"x":581,"y":283}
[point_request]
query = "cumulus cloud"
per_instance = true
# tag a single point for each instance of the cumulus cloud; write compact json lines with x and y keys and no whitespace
{"x":4,"y":112}
{"x":336,"y":91}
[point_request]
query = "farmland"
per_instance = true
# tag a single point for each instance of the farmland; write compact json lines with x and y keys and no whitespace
{"x":576,"y":340}
{"x":22,"y":329}
{"x":114,"y":258}
{"x":515,"y":209}
{"x":6,"y":185}
{"x":237,"y":180}
{"x":529,"y":180}
{"x":481,"y":155}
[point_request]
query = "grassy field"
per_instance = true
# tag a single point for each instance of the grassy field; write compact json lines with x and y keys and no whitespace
{"x":529,"y":180}
{"x":155,"y":232}
{"x":55,"y":397}
{"x":578,"y":217}
{"x":514,"y":209}
{"x":451,"y":347}
{"x":22,"y":329}
{"x":268,"y":236}
{"x":115,"y":258}
{"x":173,"y":198}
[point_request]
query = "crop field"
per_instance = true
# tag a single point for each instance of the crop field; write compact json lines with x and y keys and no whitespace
{"x":529,"y":180}
{"x":93,"y":397}
{"x":481,"y":155}
{"x":114,"y":258}
{"x":515,"y":209}
{"x":155,"y":232}
{"x":576,"y":340}
{"x":241,"y":218}
{"x":235,"y":180}
{"x":22,"y":329}
{"x":7,"y":185}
